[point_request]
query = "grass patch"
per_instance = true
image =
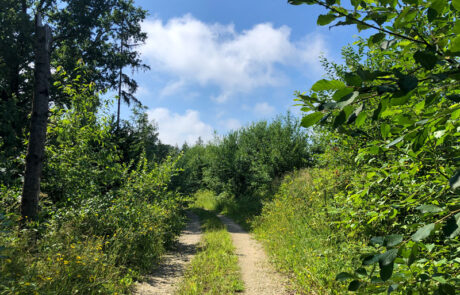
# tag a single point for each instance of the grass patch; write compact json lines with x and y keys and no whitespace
{"x":214,"y":270}
{"x":299,"y":230}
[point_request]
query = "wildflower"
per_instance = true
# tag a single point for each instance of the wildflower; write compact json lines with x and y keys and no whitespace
{"x":66,"y":262}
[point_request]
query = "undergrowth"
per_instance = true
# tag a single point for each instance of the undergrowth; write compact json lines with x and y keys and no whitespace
{"x":101,"y":247}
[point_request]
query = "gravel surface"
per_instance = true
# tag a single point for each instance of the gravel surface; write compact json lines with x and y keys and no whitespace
{"x":258,"y":275}
{"x":164,"y":279}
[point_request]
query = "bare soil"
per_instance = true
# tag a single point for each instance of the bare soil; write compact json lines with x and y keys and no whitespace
{"x":165,"y":278}
{"x":258,"y":275}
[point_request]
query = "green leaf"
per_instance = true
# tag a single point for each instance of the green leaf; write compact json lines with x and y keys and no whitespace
{"x":408,"y":83}
{"x":396,"y":141}
{"x":376,"y":38}
{"x":353,"y":79}
{"x":423,"y":232}
{"x":354,"y":285}
{"x":429,"y":208}
{"x":341,"y":93}
{"x":452,"y":227}
{"x":340,"y":119}
{"x":361,"y":119}
{"x":420,"y":139}
{"x":457,"y":27}
{"x":386,"y":271}
{"x":325,"y":85}
{"x":413,"y":254}
{"x":311,"y":119}
{"x":454,"y":181}
{"x":388,"y":257}
{"x":385,"y":130}
{"x":379,"y":18}
{"x":455,"y":44}
{"x":393,"y":240}
{"x":398,"y":99}
{"x":438,"y":5}
{"x":369,"y":260}
{"x":325,"y":19}
{"x":355,"y":114}
{"x":456,"y":4}
{"x":347,"y":99}
{"x":343,"y":276}
{"x":377,"y":241}
{"x":426,"y":58}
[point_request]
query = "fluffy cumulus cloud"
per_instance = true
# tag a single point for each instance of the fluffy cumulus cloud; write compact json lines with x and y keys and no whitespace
{"x":175,"y":129}
{"x":192,"y":51}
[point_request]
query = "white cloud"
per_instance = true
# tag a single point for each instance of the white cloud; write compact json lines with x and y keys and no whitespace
{"x":231,"y":124}
{"x":213,"y":54}
{"x":172,"y":88}
{"x":175,"y":128}
{"x":263,"y":109}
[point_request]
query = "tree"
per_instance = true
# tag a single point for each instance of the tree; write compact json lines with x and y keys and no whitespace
{"x":37,"y":137}
{"x":85,"y":30}
{"x":400,"y":108}
{"x":129,"y":34}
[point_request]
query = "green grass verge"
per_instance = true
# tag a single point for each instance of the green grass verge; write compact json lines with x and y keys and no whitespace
{"x":299,"y":227}
{"x":214,"y":270}
{"x":300,"y":232}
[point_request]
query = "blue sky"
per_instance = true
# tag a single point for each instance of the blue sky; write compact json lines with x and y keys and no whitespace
{"x":218,"y":65}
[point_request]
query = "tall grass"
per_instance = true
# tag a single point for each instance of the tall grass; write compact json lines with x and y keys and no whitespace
{"x":214,"y":270}
{"x":299,"y":230}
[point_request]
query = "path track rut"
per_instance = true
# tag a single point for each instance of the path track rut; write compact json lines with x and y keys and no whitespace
{"x":164,"y":279}
{"x":258,"y":275}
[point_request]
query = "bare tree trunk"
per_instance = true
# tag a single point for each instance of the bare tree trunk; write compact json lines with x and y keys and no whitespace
{"x":36,"y":148}
{"x":120,"y":82}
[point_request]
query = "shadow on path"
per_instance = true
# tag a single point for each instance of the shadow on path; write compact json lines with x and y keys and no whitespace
{"x":164,"y":279}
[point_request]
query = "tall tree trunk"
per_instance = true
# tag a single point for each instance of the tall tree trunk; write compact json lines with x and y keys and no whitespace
{"x":36,"y":148}
{"x":120,"y":82}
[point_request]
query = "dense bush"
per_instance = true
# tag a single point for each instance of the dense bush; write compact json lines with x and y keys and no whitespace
{"x":244,"y":162}
{"x":103,"y":223}
{"x":396,"y":104}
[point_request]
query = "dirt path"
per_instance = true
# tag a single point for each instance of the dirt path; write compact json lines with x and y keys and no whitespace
{"x":258,"y":275}
{"x":165,"y":278}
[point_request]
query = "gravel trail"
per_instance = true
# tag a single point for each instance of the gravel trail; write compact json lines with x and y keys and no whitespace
{"x":258,"y":275}
{"x":164,"y":279}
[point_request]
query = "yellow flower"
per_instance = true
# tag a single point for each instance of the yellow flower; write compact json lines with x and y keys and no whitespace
{"x":78,"y":257}
{"x":72,"y":246}
{"x":66,"y":262}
